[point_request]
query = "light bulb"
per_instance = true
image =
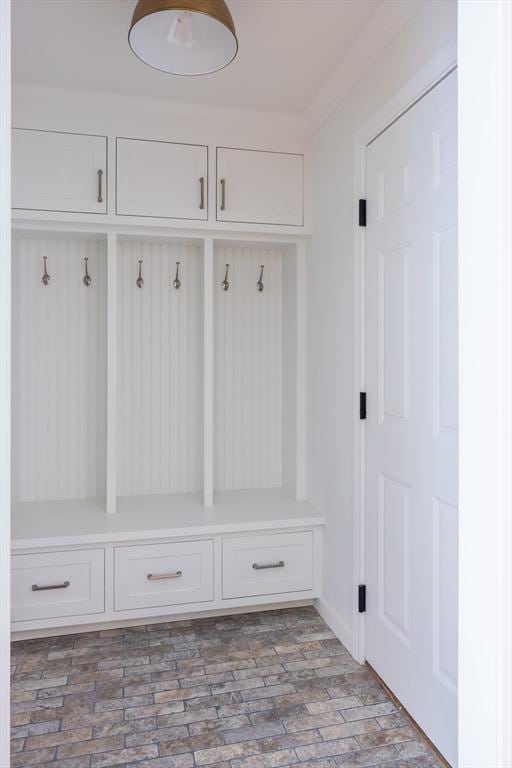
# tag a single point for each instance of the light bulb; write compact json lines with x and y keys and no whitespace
{"x":180,"y":31}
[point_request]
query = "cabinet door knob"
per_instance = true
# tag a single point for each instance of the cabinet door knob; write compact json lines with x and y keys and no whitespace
{"x":223,"y":194}
{"x":201,"y":184}
{"x":100,"y":186}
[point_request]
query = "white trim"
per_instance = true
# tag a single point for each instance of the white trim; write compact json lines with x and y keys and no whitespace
{"x":434,"y":71}
{"x":208,"y":373}
{"x":111,"y":373}
{"x":29,"y":634}
{"x":5,"y":374}
{"x":109,"y":104}
{"x":485,"y":364}
{"x":334,"y":621}
{"x":84,"y":222}
{"x":301,"y":373}
{"x":378,"y":33}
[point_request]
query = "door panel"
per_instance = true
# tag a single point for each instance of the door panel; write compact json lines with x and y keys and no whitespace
{"x":54,"y":171}
{"x":162,"y":179}
{"x":260,"y":187}
{"x":412,"y":429}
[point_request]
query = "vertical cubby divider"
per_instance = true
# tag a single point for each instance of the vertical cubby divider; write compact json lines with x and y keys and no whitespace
{"x":111,"y":372}
{"x":208,"y":380}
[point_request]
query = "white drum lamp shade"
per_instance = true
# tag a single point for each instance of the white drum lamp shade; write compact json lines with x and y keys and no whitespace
{"x":183,"y":37}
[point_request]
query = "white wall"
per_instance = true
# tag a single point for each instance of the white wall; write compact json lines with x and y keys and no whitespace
{"x":5,"y":373}
{"x":330,"y":396}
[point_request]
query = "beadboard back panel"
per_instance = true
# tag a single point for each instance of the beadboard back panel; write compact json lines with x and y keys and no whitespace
{"x":159,"y":368}
{"x":248,"y":363}
{"x":59,"y":368}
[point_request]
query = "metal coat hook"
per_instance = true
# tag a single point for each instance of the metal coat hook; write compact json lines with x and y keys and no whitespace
{"x":140,"y":279}
{"x":87,"y":277}
{"x":46,"y":276}
{"x":259,"y":284}
{"x":225,"y":284}
{"x":177,"y":282}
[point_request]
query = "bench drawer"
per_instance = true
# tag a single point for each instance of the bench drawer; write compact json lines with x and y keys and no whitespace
{"x":267,"y":564}
{"x":51,"y":585}
{"x":147,"y":576}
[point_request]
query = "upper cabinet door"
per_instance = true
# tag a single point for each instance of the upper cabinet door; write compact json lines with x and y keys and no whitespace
{"x":162,"y":179}
{"x":256,"y":187}
{"x":54,"y":171}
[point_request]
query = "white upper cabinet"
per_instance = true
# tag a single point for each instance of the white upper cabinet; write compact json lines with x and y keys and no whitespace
{"x":162,"y":179}
{"x":54,"y":171}
{"x":256,"y":187}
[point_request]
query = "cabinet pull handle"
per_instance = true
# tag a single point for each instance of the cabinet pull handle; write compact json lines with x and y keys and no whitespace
{"x":36,"y":588}
{"x":258,"y":567}
{"x":158,"y":576}
{"x":201,"y":183}
{"x":100,"y":185}
{"x":223,"y":194}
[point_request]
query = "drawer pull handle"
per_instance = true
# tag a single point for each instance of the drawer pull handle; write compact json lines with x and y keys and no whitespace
{"x":100,"y":184}
{"x":258,"y":567}
{"x":223,"y":194}
{"x":201,"y":183}
{"x":36,"y":588}
{"x":157,"y":576}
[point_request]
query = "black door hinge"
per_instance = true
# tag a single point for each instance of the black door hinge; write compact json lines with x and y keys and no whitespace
{"x":361,"y":598}
{"x":362,"y":405}
{"x":362,"y":213}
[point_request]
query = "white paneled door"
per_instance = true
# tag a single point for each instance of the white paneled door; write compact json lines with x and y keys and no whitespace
{"x":412,"y":429}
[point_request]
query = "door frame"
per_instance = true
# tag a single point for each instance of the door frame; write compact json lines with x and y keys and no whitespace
{"x":5,"y":376}
{"x":427,"y":78}
{"x":485,"y":385}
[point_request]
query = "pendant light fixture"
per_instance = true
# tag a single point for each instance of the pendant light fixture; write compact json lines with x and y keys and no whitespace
{"x":183,"y":37}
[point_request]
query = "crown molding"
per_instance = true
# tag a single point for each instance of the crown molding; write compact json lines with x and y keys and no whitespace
{"x":382,"y":27}
{"x":115,"y":105}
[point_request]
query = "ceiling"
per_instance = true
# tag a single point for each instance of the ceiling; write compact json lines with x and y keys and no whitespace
{"x":287,"y":50}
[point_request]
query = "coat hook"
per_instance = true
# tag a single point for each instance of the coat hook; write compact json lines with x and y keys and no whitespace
{"x":140,"y":280}
{"x":177,"y":282}
{"x":46,"y":276}
{"x":225,"y":285}
{"x":259,"y":284}
{"x":87,"y":277}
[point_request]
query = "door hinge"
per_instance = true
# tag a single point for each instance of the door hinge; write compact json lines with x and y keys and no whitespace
{"x":361,"y":598}
{"x":362,"y":213}
{"x":362,"y":405}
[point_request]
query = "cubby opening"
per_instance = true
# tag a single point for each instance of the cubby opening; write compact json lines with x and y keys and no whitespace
{"x":256,"y":370}
{"x":159,"y":393}
{"x":59,"y":369}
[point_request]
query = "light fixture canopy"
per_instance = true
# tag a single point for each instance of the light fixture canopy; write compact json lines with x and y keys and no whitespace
{"x":183,"y":37}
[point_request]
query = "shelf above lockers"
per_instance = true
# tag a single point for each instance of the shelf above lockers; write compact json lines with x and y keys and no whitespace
{"x":59,"y":366}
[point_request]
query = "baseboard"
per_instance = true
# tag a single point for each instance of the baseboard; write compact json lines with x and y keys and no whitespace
{"x":30,"y":634}
{"x":335,"y":623}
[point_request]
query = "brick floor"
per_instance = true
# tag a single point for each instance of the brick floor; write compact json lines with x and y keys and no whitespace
{"x":260,"y":690}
